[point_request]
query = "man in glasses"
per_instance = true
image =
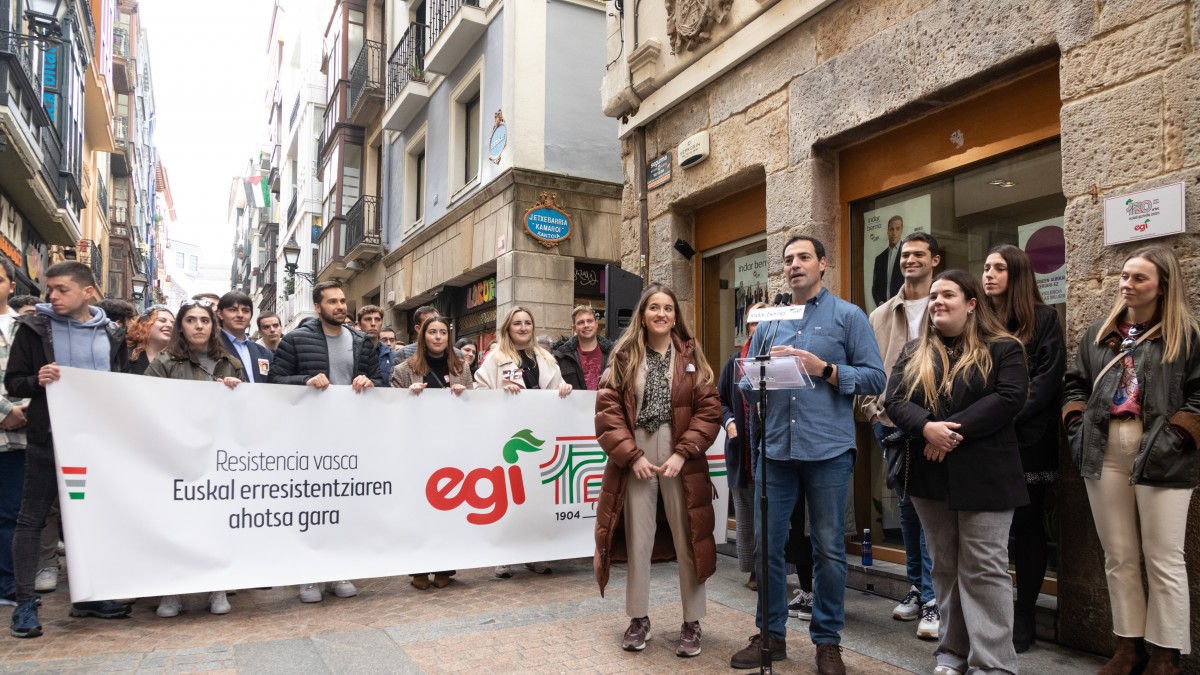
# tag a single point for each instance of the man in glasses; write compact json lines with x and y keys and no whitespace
{"x":320,"y":352}
{"x":370,"y":321}
{"x":270,"y":330}
{"x":63,"y":332}
{"x":234,"y":310}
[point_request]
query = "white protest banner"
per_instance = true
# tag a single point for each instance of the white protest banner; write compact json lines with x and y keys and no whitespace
{"x":174,"y":487}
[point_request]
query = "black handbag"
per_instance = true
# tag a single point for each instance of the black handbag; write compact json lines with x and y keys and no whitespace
{"x":895,"y":452}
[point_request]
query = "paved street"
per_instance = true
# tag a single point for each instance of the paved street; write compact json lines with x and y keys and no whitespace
{"x":535,"y":624}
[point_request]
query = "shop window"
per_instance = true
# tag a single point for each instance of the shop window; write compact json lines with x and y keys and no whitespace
{"x":1013,"y":199}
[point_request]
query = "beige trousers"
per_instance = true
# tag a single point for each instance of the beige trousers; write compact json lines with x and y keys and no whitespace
{"x":1118,"y":509}
{"x":641,"y":500}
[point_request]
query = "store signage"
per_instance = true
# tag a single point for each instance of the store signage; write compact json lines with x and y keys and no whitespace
{"x":1144,"y":215}
{"x":499,"y":138}
{"x":1046,"y":245}
{"x":10,"y":250}
{"x":50,"y":83}
{"x":481,"y":292}
{"x":547,"y":223}
{"x":658,"y":172}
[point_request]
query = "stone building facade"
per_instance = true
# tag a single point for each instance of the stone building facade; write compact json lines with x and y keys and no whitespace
{"x":821,"y":116}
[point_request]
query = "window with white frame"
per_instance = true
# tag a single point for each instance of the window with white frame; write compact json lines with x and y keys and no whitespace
{"x":415,"y":179}
{"x":465,"y":130}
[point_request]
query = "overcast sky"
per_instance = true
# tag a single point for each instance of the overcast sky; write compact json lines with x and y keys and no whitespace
{"x":209,"y":66}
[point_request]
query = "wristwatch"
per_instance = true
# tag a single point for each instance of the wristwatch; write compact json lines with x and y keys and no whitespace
{"x":828,"y":372}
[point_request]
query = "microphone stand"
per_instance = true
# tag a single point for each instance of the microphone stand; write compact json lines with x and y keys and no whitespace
{"x":764,"y":578}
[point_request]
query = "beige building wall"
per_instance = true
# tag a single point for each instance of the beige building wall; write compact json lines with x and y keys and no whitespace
{"x":1130,"y":74}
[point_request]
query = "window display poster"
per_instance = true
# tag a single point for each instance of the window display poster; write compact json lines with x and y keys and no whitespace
{"x":749,"y":287}
{"x":884,"y":228}
{"x":1046,"y":246}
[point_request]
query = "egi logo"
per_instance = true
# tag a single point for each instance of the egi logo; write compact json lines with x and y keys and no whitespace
{"x":1141,"y":208}
{"x":1142,"y":227}
{"x":450,"y":488}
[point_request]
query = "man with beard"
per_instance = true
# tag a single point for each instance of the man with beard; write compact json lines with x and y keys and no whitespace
{"x":233,"y":311}
{"x":321,"y":352}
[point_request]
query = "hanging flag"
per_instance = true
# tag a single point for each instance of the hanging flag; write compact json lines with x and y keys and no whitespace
{"x":256,"y":192}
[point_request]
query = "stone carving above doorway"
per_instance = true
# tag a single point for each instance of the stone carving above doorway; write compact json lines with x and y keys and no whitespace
{"x":690,"y":22}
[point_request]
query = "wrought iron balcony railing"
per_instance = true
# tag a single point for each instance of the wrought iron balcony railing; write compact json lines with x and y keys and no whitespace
{"x":119,"y":215}
{"x":407,"y":62}
{"x":20,"y":51}
{"x":367,"y":73}
{"x":121,"y":128}
{"x":91,"y":255}
{"x":292,"y":206}
{"x":295,"y":112}
{"x":362,"y":223}
{"x":101,"y":194}
{"x":440,"y":13}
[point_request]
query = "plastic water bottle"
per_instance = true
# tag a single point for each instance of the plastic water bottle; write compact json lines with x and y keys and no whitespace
{"x":867,"y":558}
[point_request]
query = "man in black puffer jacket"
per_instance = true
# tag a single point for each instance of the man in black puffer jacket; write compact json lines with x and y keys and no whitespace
{"x":583,"y":356}
{"x":321,"y":351}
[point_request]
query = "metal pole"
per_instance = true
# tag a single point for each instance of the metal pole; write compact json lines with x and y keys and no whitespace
{"x":764,"y":578}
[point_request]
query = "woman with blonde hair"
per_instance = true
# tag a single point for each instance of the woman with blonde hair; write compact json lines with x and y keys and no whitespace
{"x":1132,"y":412}
{"x":657,"y":413}
{"x":433,"y":366}
{"x":519,"y":363}
{"x":1012,"y":291}
{"x":955,"y":391}
{"x":148,"y":337}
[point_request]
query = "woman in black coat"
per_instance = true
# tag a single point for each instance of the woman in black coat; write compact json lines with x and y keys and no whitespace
{"x":955,"y":391}
{"x":1012,"y":291}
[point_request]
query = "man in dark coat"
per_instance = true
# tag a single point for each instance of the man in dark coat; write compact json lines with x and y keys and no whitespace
{"x":583,"y":356}
{"x":233,"y":311}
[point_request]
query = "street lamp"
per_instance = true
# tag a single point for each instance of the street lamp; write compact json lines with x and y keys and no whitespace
{"x":139,"y":286}
{"x":291,"y":260}
{"x":45,"y":29}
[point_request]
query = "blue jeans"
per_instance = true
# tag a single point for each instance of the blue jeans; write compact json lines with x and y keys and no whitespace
{"x":12,"y":476}
{"x":825,"y":485}
{"x":917,"y":563}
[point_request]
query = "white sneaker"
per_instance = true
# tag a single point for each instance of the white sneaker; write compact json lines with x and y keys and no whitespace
{"x":946,"y":670}
{"x":343,"y":589}
{"x":46,"y":580}
{"x":910,"y":607}
{"x":503,"y":571}
{"x":61,"y":549}
{"x":310,"y":593}
{"x":169,"y":606}
{"x":931,"y":620}
{"x":538,"y":568}
{"x":218,"y":603}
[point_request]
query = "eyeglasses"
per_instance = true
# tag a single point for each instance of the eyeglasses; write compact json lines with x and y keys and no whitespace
{"x":1130,"y":342}
{"x":201,"y":302}
{"x":156,"y":308}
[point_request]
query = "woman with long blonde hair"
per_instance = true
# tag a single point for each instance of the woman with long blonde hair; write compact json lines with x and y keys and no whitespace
{"x":1132,"y":411}
{"x":955,"y":391}
{"x":517,"y":363}
{"x":657,"y":413}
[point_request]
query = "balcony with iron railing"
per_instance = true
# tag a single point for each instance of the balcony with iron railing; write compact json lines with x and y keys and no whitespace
{"x":101,"y":194}
{"x":22,"y":54}
{"x":123,"y":76}
{"x":367,"y":80}
{"x":120,"y":159}
{"x":362,"y":230}
{"x":295,"y":112}
{"x":454,"y":26}
{"x":407,"y":89}
{"x":293,"y":206}
{"x":89,"y":253}
{"x":118,"y":215}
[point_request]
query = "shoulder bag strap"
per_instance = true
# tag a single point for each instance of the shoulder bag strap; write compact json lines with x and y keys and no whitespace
{"x":1121,"y":354}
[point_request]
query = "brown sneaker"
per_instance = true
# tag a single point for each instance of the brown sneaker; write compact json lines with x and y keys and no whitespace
{"x":751,"y":655}
{"x":689,"y":639}
{"x":829,"y":660}
{"x":637,"y":634}
{"x":420,"y":582}
{"x":441,"y":580}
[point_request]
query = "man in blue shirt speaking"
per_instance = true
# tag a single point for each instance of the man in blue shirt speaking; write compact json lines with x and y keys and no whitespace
{"x":810,"y":447}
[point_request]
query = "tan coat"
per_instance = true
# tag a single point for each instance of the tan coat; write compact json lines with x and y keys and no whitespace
{"x":890,"y":323}
{"x":492,"y":372}
{"x":695,"y":421}
{"x":403,"y":376}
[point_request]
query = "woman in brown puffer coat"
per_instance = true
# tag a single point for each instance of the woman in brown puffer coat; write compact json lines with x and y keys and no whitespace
{"x":657,"y":413}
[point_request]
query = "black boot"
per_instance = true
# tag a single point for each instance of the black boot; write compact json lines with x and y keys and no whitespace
{"x":1024,"y":630}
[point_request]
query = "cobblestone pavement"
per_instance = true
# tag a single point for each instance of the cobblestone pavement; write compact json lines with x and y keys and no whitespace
{"x":479,"y":624}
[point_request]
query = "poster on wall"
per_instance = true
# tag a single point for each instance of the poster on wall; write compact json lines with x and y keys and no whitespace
{"x":749,"y":287}
{"x":884,"y":228}
{"x":1046,"y":246}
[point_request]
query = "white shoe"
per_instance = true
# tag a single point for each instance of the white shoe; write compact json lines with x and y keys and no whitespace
{"x":910,"y":607}
{"x":343,"y":589}
{"x":538,"y":568}
{"x":61,"y":549}
{"x":169,"y":606}
{"x":503,"y":571}
{"x":46,"y":580}
{"x":946,"y":670}
{"x":218,"y":603}
{"x":310,"y":593}
{"x":931,"y":620}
